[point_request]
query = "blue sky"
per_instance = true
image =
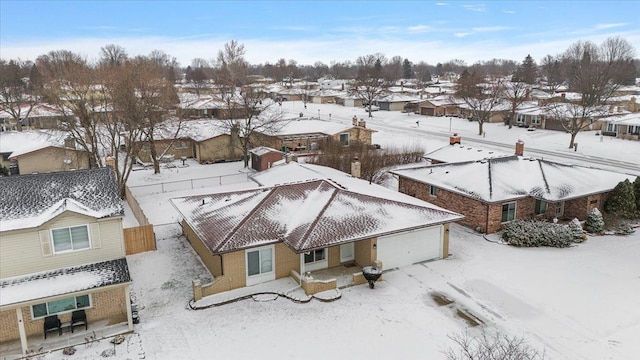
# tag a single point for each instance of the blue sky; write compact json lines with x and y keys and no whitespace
{"x":310,"y":31}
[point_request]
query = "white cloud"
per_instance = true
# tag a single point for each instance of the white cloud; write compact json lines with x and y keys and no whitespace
{"x":475,"y":7}
{"x":441,"y":4}
{"x":508,"y":11}
{"x":462,"y":34}
{"x":490,"y":28}
{"x":418,"y":29}
{"x":609,"y":26}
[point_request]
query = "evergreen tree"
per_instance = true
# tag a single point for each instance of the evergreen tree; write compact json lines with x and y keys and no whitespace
{"x":407,"y":69}
{"x":576,"y":230}
{"x":594,"y":223}
{"x":622,"y":201}
{"x":527,"y":72}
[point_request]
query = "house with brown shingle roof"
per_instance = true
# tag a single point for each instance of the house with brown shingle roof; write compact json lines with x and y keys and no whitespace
{"x":304,"y":218}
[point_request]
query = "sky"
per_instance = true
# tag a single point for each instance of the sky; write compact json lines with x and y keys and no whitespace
{"x":310,"y":31}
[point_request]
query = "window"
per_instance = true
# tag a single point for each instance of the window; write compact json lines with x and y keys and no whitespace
{"x":260,"y":261}
{"x":70,"y":239}
{"x":521,"y":118}
{"x":541,"y":207}
{"x":59,"y":306}
{"x":535,"y":119}
{"x":634,"y":130}
{"x":508,"y":212}
{"x":344,"y":139}
{"x":612,"y":127}
{"x":433,"y":191}
{"x":181,"y":145}
{"x":313,"y":256}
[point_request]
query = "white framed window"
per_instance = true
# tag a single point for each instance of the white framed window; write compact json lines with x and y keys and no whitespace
{"x":508,"y":212}
{"x":541,"y":207}
{"x":560,"y":209}
{"x":521,"y":118}
{"x":433,"y":191}
{"x":315,"y":256}
{"x":60,"y":306}
{"x":70,"y":238}
{"x":535,"y":119}
{"x":611,"y":127}
{"x":260,"y":261}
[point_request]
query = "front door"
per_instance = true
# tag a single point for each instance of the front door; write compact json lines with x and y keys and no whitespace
{"x":346,"y":252}
{"x":560,"y":209}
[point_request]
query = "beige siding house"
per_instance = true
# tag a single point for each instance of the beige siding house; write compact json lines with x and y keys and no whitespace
{"x":318,"y":218}
{"x":62,"y":253}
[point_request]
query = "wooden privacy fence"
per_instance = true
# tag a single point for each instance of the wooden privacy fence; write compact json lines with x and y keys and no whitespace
{"x":139,"y":239}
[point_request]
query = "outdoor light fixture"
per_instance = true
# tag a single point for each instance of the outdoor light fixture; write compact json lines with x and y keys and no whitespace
{"x":375,"y":246}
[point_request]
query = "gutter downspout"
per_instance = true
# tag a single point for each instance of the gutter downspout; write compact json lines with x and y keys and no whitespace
{"x":23,"y":334}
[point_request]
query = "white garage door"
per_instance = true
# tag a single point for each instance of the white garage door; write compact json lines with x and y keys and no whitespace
{"x":410,"y":247}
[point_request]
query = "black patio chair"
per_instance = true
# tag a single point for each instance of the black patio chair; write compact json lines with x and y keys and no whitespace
{"x":52,"y":323}
{"x":78,"y":318}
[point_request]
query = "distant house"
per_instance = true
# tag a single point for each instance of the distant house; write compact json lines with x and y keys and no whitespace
{"x":458,"y":152}
{"x":40,"y":116}
{"x":40,"y":151}
{"x":443,"y":105}
{"x":324,"y":96}
{"x":624,"y":126}
{"x":304,"y":218}
{"x":207,"y":141}
{"x":395,"y":101}
{"x":490,"y":192}
{"x":62,"y":250}
{"x":308,"y":134}
{"x":194,"y":106}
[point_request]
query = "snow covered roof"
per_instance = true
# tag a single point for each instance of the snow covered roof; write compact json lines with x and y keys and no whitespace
{"x":305,"y":215}
{"x":45,"y":284}
{"x":199,"y":102}
{"x":29,"y":201}
{"x":394,"y":97}
{"x":38,"y":110}
{"x":513,"y":177}
{"x":632,"y":119}
{"x":22,"y":142}
{"x":459,"y":153}
{"x":309,"y":126}
{"x":261,"y":150}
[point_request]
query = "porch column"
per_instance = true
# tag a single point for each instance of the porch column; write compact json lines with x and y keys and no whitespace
{"x":23,"y":333}
{"x":127,"y":299}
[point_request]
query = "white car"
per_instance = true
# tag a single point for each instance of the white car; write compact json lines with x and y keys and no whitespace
{"x":373,"y":108}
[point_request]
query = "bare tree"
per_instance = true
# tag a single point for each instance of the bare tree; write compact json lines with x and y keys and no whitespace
{"x":198,"y":74}
{"x":516,"y":93}
{"x":491,"y":346}
{"x":480,"y":98}
{"x":551,"y":71}
{"x":249,"y":111}
{"x":370,"y":83}
{"x":592,"y":72}
{"x":393,"y":69}
{"x":112,"y":55}
{"x":71,"y":85}
{"x":16,"y":91}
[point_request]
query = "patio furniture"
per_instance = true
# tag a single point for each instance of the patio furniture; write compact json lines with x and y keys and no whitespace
{"x":52,"y":323}
{"x":371,"y":274}
{"x":78,"y":318}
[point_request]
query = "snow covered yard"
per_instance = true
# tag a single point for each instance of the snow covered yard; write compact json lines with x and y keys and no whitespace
{"x":575,"y":303}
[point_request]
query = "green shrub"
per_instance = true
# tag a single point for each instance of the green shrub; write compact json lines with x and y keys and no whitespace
{"x":622,"y":201}
{"x":533,"y":233}
{"x":594,"y":223}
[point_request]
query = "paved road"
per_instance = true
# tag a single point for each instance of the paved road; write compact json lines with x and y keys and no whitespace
{"x":581,"y":159}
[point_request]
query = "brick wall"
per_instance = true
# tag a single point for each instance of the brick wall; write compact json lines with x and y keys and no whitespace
{"x":286,"y":260}
{"x":109,"y":304}
{"x":212,"y":262}
{"x":365,"y":254}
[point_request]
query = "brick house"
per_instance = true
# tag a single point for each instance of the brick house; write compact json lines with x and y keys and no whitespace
{"x":303,"y":218}
{"x":62,"y":250}
{"x":490,"y":192}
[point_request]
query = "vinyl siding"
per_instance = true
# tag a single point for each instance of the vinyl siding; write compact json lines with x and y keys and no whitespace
{"x":21,"y":251}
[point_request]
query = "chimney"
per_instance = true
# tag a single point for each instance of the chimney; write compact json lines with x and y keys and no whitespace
{"x":454,"y":139}
{"x":520,"y":148}
{"x":355,"y":168}
{"x":355,"y":120}
{"x":362,"y":123}
{"x":563,"y":95}
{"x":611,"y":109}
{"x":620,"y":109}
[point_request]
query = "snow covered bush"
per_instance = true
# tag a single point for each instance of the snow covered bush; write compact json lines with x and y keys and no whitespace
{"x":636,"y":190}
{"x":530,"y":233}
{"x":594,"y":223}
{"x":622,"y":201}
{"x":576,"y":230}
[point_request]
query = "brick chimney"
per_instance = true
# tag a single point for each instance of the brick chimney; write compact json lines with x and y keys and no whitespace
{"x":454,"y":139}
{"x":362,"y":123}
{"x":356,"y":168}
{"x":70,"y":142}
{"x":291,"y":158}
{"x":520,"y":148}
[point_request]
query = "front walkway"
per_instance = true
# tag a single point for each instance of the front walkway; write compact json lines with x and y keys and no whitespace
{"x":342,"y":273}
{"x":98,"y":330}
